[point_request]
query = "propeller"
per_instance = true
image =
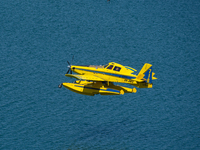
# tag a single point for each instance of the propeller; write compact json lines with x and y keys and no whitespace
{"x":69,"y":66}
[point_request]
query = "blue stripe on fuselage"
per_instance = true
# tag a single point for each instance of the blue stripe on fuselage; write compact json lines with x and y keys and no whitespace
{"x":129,"y":68}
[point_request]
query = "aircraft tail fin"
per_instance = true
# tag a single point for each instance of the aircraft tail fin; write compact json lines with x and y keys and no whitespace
{"x":146,"y":73}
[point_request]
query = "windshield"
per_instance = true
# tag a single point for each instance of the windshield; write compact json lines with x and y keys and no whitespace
{"x":105,"y":66}
{"x":110,"y":67}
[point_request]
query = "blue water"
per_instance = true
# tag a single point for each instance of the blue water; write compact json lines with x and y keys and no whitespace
{"x":37,"y":38}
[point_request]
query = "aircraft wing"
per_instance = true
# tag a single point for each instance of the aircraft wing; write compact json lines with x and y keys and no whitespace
{"x":85,"y":77}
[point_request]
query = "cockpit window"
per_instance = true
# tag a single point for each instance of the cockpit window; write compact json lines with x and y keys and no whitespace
{"x":105,"y":66}
{"x":110,"y":67}
{"x":117,"y":68}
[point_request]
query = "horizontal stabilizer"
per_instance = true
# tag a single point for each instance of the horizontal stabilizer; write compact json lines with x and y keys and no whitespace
{"x":153,"y":78}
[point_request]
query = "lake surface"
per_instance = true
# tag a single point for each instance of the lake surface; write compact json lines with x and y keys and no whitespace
{"x":38,"y":38}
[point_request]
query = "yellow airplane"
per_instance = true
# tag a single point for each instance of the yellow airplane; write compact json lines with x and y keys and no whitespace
{"x":93,"y":79}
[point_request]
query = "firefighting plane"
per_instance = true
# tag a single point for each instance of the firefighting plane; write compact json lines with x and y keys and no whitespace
{"x":92,"y":79}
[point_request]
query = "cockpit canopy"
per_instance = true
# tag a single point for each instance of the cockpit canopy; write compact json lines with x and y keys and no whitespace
{"x":114,"y":67}
{"x":119,"y":68}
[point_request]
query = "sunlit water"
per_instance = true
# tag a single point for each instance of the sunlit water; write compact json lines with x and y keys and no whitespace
{"x":38,"y":38}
